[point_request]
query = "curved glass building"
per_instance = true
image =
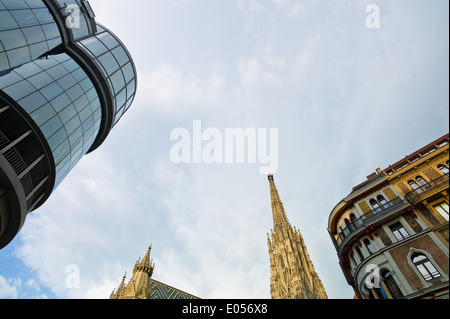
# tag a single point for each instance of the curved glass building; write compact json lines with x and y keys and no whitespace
{"x":65,"y":81}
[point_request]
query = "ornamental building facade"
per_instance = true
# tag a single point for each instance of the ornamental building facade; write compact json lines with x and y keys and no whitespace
{"x":391,"y":231}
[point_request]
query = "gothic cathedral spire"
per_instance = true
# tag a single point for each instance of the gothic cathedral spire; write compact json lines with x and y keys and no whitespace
{"x":292,"y":273}
{"x":139,"y":285}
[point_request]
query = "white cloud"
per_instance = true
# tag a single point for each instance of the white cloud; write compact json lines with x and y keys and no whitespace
{"x":263,"y":68}
{"x":291,"y":8}
{"x":222,"y":243}
{"x":14,"y":288}
{"x":321,"y":77}
{"x":8,"y":290}
{"x":170,"y":89}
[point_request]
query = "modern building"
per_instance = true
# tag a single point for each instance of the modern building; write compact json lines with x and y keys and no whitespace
{"x":65,"y":81}
{"x":142,"y":286}
{"x":391,"y":231}
{"x":292,"y":274}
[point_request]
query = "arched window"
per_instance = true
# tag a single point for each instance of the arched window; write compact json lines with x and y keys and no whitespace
{"x":443,"y":169}
{"x":376,"y":292}
{"x":415,"y":187}
{"x":369,"y":246}
{"x":359,"y":252}
{"x":350,"y":256}
{"x":349,"y":225}
{"x":355,"y":221}
{"x":423,"y":183}
{"x":383,"y":202}
{"x":425,"y":267}
{"x":376,"y":207}
{"x":391,"y":284}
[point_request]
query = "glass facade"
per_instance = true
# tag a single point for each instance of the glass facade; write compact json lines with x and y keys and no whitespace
{"x":27,"y":31}
{"x":65,"y":81}
{"x":79,"y":21}
{"x":62,"y":100}
{"x":114,"y":62}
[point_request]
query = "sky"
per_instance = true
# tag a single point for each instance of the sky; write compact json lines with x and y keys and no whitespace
{"x":347,"y":91}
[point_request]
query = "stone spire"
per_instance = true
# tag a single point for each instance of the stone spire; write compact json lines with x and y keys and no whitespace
{"x":139,"y":285}
{"x":279,"y":215}
{"x":116,"y":293}
{"x":146,"y":265}
{"x":292,"y":273}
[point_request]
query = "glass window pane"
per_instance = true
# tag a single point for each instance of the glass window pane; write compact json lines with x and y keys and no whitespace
{"x":120,"y":55}
{"x":399,"y":231}
{"x":52,"y":90}
{"x":51,"y":126}
{"x":61,"y":151}
{"x":15,"y":4}
{"x":25,"y":18}
{"x":418,"y":258}
{"x":34,"y":34}
{"x":56,"y":139}
{"x":51,"y":31}
{"x":38,"y":49}
{"x":95,"y":46}
{"x":81,"y":30}
{"x":7,"y":21}
{"x":67,"y":82}
{"x":53,"y":43}
{"x":64,"y":3}
{"x":32,"y":102}
{"x":40,"y":80}
{"x":128,"y":72}
{"x":35,"y":4}
{"x":75,"y":92}
{"x":57,"y":71}
{"x":442,"y":209}
{"x":117,"y":82}
{"x":67,"y":114}
{"x":108,"y":40}
{"x":19,"y":56}
{"x":9,"y":79}
{"x":12,"y":39}
{"x":43,"y":114}
{"x":131,"y":88}
{"x":43,"y":15}
{"x":19,"y":90}
{"x":60,"y":102}
{"x":4,"y":63}
{"x":404,"y":233}
{"x":424,"y":272}
{"x":108,"y":63}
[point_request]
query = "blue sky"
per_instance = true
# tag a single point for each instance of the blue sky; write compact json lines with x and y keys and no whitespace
{"x":345,"y":99}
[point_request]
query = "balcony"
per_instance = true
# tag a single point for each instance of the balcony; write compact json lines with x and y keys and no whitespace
{"x":369,"y":218}
{"x":428,"y":189}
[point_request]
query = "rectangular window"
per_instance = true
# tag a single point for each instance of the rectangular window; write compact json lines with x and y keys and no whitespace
{"x":442,"y":209}
{"x":399,"y":231}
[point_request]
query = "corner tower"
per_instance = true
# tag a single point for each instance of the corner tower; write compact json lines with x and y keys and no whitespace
{"x":292,"y":273}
